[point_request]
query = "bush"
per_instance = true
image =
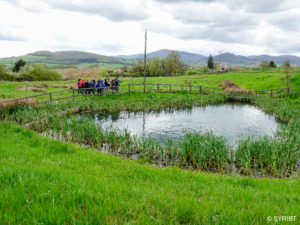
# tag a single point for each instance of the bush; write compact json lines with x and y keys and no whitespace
{"x":37,"y":72}
{"x":4,"y":75}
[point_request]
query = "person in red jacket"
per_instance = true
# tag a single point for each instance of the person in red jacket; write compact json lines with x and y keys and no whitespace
{"x":79,"y":85}
{"x":82,"y":86}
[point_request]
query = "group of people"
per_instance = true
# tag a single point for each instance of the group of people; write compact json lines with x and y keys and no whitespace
{"x":88,"y":87}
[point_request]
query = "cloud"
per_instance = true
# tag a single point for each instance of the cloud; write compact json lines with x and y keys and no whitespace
{"x":8,"y":33}
{"x":256,"y":6}
{"x":10,"y":37}
{"x":114,"y":10}
{"x":117,"y":26}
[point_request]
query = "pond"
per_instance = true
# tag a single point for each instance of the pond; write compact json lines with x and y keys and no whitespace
{"x":231,"y":120}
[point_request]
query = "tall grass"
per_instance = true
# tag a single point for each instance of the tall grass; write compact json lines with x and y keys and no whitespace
{"x":277,"y":156}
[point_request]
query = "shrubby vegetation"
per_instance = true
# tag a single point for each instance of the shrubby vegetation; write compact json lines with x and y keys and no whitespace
{"x":266,"y":64}
{"x":4,"y":74}
{"x":38,"y":72}
{"x":33,"y":72}
{"x":169,"y":66}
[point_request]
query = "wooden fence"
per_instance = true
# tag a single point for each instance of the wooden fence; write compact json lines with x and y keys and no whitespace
{"x":73,"y":93}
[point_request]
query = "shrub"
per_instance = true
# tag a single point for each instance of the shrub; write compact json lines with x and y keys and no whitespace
{"x":4,"y":75}
{"x":37,"y":72}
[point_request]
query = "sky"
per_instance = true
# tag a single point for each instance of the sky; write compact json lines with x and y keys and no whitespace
{"x":116,"y":27}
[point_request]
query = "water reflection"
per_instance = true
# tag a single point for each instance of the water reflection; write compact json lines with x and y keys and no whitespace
{"x":233,"y":121}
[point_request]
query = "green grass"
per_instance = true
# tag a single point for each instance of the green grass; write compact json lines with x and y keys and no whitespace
{"x":253,"y":79}
{"x":268,"y":156}
{"x":9,"y":90}
{"x":45,"y":181}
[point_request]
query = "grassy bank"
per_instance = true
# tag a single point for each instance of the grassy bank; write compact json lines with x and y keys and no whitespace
{"x":267,"y":156}
{"x":49,"y":182}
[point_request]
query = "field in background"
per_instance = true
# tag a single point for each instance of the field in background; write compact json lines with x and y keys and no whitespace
{"x":250,"y":80}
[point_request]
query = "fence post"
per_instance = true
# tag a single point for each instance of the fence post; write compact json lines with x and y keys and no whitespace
{"x":271,"y":93}
{"x":200,"y":89}
{"x":50,"y":97}
{"x":128,"y":88}
{"x":158,"y":87}
{"x":288,"y":90}
{"x":73,"y":94}
{"x":144,"y":87}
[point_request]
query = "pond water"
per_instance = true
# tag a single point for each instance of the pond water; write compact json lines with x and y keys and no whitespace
{"x":233,"y":121}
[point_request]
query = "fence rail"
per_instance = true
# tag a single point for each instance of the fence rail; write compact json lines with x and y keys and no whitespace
{"x":130,"y":88}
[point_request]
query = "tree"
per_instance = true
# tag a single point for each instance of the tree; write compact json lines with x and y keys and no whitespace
{"x":272,"y":64}
{"x":18,"y":65}
{"x":173,"y":64}
{"x":210,"y":62}
{"x":156,"y":67}
{"x":264,"y":64}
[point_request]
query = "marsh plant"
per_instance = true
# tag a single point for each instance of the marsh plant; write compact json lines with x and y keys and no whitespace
{"x":273,"y":156}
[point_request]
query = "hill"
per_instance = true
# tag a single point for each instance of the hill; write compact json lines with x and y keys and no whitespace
{"x":86,"y":58}
{"x":63,"y":58}
{"x":187,"y":57}
{"x":193,"y":59}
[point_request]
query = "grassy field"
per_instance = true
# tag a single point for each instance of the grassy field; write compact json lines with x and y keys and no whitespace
{"x":53,"y":182}
{"x":250,"y":80}
{"x":49,"y":182}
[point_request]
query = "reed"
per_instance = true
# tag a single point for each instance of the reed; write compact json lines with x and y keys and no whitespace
{"x":277,"y":156}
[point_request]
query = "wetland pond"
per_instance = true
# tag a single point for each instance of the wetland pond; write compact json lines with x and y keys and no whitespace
{"x":232,"y":120}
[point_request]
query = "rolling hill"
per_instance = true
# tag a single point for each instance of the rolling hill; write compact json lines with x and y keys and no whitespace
{"x":193,"y":59}
{"x":64,"y":58}
{"x":86,"y":58}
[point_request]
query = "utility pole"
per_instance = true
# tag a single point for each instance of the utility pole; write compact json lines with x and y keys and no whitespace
{"x":220,"y":52}
{"x":145,"y":61}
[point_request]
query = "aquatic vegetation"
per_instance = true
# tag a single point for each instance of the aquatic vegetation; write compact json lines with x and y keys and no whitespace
{"x":278,"y":156}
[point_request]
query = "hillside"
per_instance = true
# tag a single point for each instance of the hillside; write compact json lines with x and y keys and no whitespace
{"x":63,"y":57}
{"x":187,"y":57}
{"x":80,"y":57}
{"x":193,"y":59}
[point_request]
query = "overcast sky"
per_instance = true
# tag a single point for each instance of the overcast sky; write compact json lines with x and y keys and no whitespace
{"x":113,"y":27}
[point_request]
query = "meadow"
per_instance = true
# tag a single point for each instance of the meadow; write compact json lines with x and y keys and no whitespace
{"x":51,"y":182}
{"x":250,"y":79}
{"x":188,"y":182}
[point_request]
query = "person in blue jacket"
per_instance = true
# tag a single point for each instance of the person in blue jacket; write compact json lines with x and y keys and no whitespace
{"x":99,"y":86}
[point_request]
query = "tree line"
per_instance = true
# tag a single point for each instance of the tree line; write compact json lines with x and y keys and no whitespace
{"x":172,"y":65}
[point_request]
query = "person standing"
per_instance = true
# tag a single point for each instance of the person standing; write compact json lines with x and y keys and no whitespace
{"x":79,"y":85}
{"x":117,"y":83}
{"x":82,"y":86}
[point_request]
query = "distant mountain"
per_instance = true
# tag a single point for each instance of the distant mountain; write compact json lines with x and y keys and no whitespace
{"x":277,"y":59}
{"x":64,"y":57}
{"x":79,"y":57}
{"x":186,"y":57}
{"x":196,"y":59}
